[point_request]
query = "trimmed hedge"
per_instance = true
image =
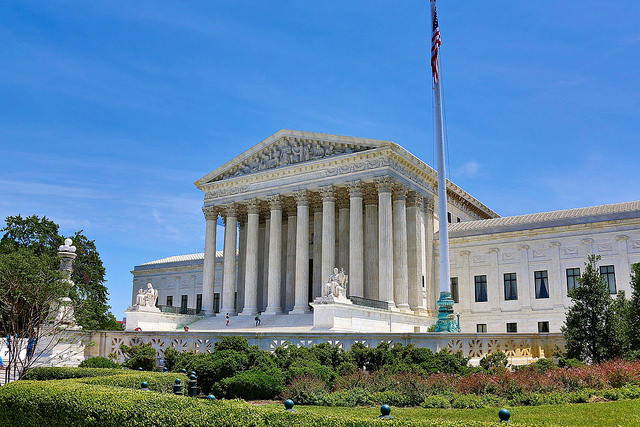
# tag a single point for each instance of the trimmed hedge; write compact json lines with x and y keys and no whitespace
{"x":157,"y":381}
{"x":45,"y":374}
{"x":71,"y":403}
{"x":99,"y":362}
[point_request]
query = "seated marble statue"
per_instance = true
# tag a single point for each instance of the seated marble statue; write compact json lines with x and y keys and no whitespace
{"x":151,"y":296}
{"x":141,"y":298}
{"x":336,"y":285}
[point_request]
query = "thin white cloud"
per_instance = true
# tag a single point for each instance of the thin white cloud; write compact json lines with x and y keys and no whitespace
{"x":467,"y":170}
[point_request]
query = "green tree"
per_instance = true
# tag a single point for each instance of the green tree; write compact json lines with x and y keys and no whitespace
{"x":633,"y":328}
{"x":41,"y":237}
{"x":589,"y":323}
{"x":29,"y":290}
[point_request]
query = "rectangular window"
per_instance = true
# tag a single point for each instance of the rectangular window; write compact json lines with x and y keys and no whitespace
{"x":170,"y":300}
{"x":454,"y":289}
{"x":199,"y":303}
{"x":457,"y":219}
{"x":481,"y":288}
{"x":481,"y":327}
{"x":449,"y":217}
{"x":542,"y":284}
{"x":510,"y":287}
{"x":216,"y":302}
{"x":235,"y":301}
{"x":572,"y":278}
{"x":512,"y":327}
{"x":609,"y":275}
{"x":543,"y":326}
{"x":183,"y":303}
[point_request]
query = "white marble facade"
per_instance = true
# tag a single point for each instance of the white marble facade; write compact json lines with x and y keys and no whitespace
{"x":299,"y":204}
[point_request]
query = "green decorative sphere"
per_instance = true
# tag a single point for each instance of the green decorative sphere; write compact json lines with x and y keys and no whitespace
{"x":184,"y":371}
{"x":288,"y":404}
{"x":193,"y":373}
{"x":192,"y":377}
{"x":165,"y":369}
{"x":385,"y":409}
{"x":211,"y":397}
{"x":504,"y":415}
{"x":178,"y":381}
{"x":140,"y":368}
{"x":144,"y":384}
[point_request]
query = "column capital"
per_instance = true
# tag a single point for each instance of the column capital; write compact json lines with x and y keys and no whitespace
{"x":465,"y":253}
{"x":211,"y":212}
{"x":328,"y":193}
{"x":523,"y":247}
{"x":621,"y":237}
{"x":275,"y":202}
{"x":414,"y":200}
{"x":301,"y":198}
{"x":253,"y":206}
{"x":370,"y":195}
{"x":354,"y":188}
{"x":399,"y":192}
{"x":429,"y":204}
{"x":587,"y":241}
{"x":384,"y":184}
{"x":494,"y":250}
{"x":229,"y":209}
{"x":554,"y":244}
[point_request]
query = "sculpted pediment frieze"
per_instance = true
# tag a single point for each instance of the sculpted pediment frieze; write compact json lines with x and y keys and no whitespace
{"x":288,"y":151}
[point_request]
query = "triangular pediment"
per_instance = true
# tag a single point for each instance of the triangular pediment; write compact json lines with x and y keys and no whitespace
{"x":286,"y":148}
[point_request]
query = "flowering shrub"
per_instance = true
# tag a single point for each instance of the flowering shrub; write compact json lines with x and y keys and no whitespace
{"x":529,"y":386}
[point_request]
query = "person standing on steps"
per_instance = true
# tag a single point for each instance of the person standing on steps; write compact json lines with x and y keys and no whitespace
{"x":227,"y":319}
{"x":258,"y":321}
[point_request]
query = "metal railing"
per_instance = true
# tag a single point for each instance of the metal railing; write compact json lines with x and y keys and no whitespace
{"x":179,"y":310}
{"x":372,"y":303}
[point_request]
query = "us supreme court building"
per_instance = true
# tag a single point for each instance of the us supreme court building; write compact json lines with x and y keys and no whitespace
{"x":299,"y":204}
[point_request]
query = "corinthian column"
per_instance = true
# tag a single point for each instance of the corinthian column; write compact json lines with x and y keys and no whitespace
{"x":251,"y":260}
{"x":274,"y":304}
{"x":229,"y":271}
{"x":208,"y":272}
{"x":301,"y":293}
{"x":356,"y":245}
{"x":371,"y":243}
{"x":328,"y":232}
{"x":385,"y":241}
{"x":415,"y":252}
{"x":400,"y":270}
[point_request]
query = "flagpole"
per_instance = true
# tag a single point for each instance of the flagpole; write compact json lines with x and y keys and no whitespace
{"x":446,"y":319}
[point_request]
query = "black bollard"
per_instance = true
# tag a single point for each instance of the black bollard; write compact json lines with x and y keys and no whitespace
{"x":385,"y":410}
{"x":177,"y":387}
{"x":504,"y":415}
{"x":193,"y":386}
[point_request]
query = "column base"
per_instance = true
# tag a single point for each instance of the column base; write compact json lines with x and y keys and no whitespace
{"x":273,"y":310}
{"x":231,"y":311}
{"x":404,"y":308}
{"x":421,"y":311}
{"x":207,"y":313}
{"x":248,"y":311}
{"x":300,"y":310}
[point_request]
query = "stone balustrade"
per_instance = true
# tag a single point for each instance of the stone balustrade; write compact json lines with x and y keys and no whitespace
{"x":520,"y":348}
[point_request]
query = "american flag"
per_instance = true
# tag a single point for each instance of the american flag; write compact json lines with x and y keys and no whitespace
{"x":435,"y":46}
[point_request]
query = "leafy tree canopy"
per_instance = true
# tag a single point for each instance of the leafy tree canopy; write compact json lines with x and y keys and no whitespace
{"x":40,"y":236}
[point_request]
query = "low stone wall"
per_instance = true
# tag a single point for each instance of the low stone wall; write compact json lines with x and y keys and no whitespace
{"x":520,"y":348}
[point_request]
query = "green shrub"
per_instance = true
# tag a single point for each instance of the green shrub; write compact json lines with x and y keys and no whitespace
{"x":464,"y":401}
{"x":252,"y":385}
{"x":564,"y":362}
{"x":99,"y":362}
{"x":305,"y":390}
{"x":157,"y":381}
{"x":70,"y":403}
{"x":46,"y":373}
{"x":494,"y":362}
{"x":170,"y":356}
{"x":437,"y":401}
{"x":139,"y":356}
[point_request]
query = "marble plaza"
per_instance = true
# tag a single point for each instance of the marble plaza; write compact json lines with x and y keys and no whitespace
{"x":299,"y":204}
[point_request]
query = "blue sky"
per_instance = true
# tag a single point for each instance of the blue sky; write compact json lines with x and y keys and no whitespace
{"x":110,"y":110}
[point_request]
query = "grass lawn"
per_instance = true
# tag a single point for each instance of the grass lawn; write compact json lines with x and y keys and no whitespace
{"x":623,"y":413}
